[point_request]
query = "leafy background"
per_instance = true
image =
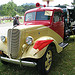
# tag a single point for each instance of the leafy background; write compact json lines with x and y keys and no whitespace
{"x":11,"y":9}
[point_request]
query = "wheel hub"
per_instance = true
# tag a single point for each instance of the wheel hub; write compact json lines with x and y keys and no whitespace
{"x":48,"y":60}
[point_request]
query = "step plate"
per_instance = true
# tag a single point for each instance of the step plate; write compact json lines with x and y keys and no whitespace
{"x":63,"y":44}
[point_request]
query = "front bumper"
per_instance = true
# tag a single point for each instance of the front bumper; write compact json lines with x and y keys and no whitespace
{"x":19,"y":62}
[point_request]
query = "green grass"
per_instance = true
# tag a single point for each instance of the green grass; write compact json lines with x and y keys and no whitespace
{"x":21,"y":20}
{"x":6,"y":21}
{"x":65,"y":61}
{"x":64,"y":64}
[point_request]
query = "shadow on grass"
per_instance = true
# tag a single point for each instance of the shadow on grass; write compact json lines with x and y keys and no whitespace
{"x":12,"y":69}
{"x":63,"y":63}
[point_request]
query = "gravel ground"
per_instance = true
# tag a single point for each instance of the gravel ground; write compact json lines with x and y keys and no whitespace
{"x":6,"y":24}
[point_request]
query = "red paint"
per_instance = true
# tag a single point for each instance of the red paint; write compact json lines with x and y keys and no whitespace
{"x":58,"y":27}
{"x":38,"y":5}
{"x":46,"y":23}
{"x":41,"y":44}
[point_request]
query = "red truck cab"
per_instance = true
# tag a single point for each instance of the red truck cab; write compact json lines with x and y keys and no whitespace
{"x":47,"y":16}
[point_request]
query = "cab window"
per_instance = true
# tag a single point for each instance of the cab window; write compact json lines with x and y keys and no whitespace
{"x":57,"y":16}
{"x":41,"y":16}
{"x":30,"y":16}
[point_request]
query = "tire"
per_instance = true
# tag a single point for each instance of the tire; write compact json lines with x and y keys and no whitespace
{"x":44,"y":64}
{"x":5,"y":63}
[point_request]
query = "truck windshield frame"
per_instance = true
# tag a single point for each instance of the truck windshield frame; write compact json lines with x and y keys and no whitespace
{"x":36,"y":16}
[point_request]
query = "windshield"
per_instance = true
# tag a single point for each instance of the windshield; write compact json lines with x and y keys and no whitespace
{"x":42,"y":16}
{"x":37,"y":16}
{"x":30,"y":16}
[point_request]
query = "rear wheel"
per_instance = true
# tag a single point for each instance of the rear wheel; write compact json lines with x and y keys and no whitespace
{"x":44,"y":64}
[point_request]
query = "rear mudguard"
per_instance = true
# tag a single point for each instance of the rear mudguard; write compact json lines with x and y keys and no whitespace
{"x":36,"y":50}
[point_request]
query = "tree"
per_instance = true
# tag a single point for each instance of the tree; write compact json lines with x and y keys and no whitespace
{"x":8,"y":9}
{"x":19,"y":10}
{"x":11,"y":9}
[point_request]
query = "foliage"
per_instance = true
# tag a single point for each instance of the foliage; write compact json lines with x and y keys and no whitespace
{"x":23,"y":8}
{"x":8,"y":9}
{"x":11,"y":9}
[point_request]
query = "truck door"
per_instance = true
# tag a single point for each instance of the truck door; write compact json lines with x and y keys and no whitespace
{"x":58,"y":24}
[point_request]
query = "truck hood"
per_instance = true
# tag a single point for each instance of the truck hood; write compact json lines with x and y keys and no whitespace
{"x":4,"y":30}
{"x":14,"y":45}
{"x":19,"y":35}
{"x":28,"y":27}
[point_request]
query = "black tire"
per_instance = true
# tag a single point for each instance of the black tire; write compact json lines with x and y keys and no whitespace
{"x":5,"y":63}
{"x":44,"y":64}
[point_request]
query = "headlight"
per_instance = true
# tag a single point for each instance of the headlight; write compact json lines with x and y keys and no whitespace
{"x":3,"y":38}
{"x":29,"y":40}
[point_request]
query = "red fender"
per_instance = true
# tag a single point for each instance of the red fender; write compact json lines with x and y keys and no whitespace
{"x":41,"y":44}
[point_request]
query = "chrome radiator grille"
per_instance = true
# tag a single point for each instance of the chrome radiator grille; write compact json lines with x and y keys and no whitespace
{"x":13,"y":41}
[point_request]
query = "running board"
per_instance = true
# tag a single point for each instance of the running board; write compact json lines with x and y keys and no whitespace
{"x":63,"y":44}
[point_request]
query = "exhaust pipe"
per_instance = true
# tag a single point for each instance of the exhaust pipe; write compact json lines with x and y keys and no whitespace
{"x":19,"y":62}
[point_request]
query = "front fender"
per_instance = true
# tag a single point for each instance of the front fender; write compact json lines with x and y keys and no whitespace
{"x":37,"y":50}
{"x":40,"y":44}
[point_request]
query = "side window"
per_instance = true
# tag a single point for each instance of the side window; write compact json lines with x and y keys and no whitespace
{"x":60,"y":16}
{"x":57,"y":16}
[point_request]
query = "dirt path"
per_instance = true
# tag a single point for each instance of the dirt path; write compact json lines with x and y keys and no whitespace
{"x":6,"y":24}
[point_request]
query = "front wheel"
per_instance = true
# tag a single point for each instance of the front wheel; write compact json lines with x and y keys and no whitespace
{"x":44,"y":64}
{"x":5,"y":63}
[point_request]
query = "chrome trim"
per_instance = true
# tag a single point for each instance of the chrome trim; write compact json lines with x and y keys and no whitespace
{"x":63,"y":44}
{"x":19,"y":62}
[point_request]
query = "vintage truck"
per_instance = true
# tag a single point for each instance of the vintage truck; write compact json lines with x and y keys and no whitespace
{"x":33,"y":43}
